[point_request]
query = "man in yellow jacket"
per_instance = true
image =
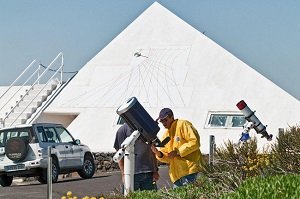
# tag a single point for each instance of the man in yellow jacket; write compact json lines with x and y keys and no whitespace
{"x":182,"y":152}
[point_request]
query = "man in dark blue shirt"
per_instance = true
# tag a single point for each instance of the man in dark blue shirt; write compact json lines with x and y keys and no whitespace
{"x":146,"y":170}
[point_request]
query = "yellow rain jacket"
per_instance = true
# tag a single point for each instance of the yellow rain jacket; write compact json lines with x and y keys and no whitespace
{"x":186,"y":141}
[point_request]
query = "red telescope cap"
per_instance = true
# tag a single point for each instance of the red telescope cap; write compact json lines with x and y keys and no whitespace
{"x":241,"y":105}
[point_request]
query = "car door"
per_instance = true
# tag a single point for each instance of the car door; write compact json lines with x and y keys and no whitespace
{"x":73,"y":151}
{"x":52,"y":139}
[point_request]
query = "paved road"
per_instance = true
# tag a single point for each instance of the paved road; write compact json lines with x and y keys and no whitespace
{"x":101,"y":183}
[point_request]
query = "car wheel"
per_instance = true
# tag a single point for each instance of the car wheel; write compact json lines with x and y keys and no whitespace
{"x":16,"y":149}
{"x":6,"y":181}
{"x":88,"y":168}
{"x":42,"y":178}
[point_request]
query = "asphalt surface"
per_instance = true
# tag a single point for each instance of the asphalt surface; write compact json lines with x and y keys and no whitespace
{"x":101,"y":183}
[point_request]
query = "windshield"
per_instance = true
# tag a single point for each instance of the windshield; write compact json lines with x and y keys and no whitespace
{"x":17,"y":132}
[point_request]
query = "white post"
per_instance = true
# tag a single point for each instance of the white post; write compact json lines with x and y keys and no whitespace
{"x":129,"y":164}
{"x":49,"y":174}
{"x":127,"y":151}
{"x":211,"y":150}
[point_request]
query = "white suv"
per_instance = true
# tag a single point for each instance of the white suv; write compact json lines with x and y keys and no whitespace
{"x":24,"y":153}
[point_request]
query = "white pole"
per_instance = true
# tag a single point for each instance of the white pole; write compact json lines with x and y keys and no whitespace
{"x":127,"y":151}
{"x":129,"y":162}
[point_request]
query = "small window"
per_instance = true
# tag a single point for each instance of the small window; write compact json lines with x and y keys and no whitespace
{"x":225,"y":120}
{"x":217,"y":120}
{"x":238,"y":120}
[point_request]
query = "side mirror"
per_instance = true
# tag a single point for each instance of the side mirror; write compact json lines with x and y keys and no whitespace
{"x":77,"y":141}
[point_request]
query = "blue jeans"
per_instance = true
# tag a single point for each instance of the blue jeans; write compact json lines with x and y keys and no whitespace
{"x":185,"y":180}
{"x":144,"y":181}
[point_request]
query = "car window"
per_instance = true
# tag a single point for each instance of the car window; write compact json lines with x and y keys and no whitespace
{"x":1,"y":139}
{"x":24,"y":133}
{"x":41,"y":134}
{"x":64,"y":135}
{"x":51,"y":135}
{"x":11,"y":134}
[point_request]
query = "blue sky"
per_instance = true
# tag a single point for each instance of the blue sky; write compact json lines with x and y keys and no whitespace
{"x":263,"y":34}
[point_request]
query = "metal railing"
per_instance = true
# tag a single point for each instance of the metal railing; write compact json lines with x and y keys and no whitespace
{"x":37,"y":113}
{"x":16,"y":80}
{"x":36,"y":82}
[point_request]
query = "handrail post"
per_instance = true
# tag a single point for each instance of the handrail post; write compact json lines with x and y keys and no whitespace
{"x":61,"y":70}
{"x":39,"y":68}
{"x":2,"y":123}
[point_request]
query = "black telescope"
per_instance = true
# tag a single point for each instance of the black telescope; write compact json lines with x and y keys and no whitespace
{"x":138,"y":119}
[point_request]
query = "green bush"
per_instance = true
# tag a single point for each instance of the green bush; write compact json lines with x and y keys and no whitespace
{"x":203,"y":188}
{"x":286,"y":151}
{"x":241,"y":171}
{"x":235,"y":163}
{"x":283,"y":186}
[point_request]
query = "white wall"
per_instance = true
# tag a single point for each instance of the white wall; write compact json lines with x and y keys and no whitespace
{"x":181,"y":69}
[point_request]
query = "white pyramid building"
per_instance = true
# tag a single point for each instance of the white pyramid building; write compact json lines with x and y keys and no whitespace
{"x":165,"y":62}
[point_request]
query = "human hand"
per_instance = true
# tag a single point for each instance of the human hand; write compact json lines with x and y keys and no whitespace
{"x":173,"y":154}
{"x":156,"y":176}
{"x":154,"y":149}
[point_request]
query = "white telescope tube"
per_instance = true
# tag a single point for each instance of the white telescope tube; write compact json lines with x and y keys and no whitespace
{"x":119,"y":155}
{"x":250,"y":117}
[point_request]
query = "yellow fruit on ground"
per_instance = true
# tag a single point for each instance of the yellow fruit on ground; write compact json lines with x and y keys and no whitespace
{"x":63,"y":197}
{"x":69,"y":193}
